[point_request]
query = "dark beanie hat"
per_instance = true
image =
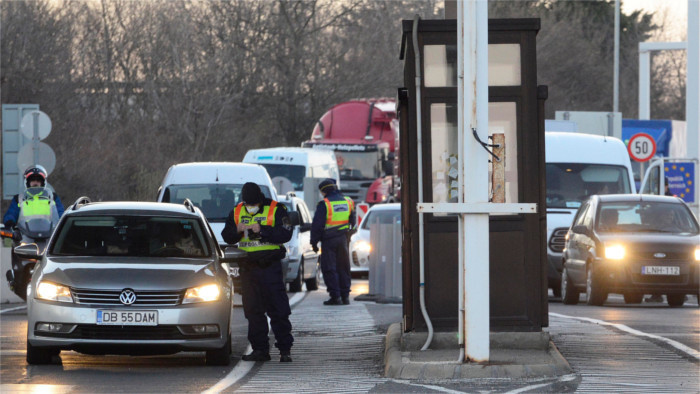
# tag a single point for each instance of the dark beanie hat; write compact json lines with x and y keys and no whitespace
{"x":327,"y":185}
{"x":251,"y":193}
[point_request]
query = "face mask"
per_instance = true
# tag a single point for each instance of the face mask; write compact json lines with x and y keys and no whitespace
{"x":252,"y":209}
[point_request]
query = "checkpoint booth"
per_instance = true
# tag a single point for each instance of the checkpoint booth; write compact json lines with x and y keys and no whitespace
{"x":518,"y":281}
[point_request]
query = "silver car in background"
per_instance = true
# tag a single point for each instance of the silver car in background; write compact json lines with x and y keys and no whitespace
{"x":360,"y":246}
{"x":130,"y":278}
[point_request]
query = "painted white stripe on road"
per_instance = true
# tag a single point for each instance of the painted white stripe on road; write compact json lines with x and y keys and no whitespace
{"x":243,"y":367}
{"x":690,"y":351}
{"x":427,"y":386}
{"x":565,"y":378}
{"x":35,"y":388}
{"x":13,"y":309}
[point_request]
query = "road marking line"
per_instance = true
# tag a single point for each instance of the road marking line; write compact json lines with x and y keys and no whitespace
{"x":565,"y":378}
{"x":13,"y":309}
{"x":428,"y":386}
{"x":36,"y":388}
{"x":690,"y":351}
{"x":243,"y":367}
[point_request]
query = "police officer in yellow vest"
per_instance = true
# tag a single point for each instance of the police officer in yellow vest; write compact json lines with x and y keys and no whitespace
{"x":334,"y":217}
{"x":260,"y":226}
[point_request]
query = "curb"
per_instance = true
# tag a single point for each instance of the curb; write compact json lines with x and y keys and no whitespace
{"x":398,"y":365}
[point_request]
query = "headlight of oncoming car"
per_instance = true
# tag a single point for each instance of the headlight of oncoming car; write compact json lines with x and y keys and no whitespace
{"x":204,"y":293}
{"x":53,"y":292}
{"x":697,"y":254}
{"x":364,"y":246}
{"x":615,"y":252}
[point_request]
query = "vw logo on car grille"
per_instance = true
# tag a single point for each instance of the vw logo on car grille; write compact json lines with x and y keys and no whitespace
{"x":659,"y":255}
{"x":127,"y":297}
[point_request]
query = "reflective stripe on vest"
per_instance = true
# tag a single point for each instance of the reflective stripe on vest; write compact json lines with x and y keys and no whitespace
{"x":338,"y":213}
{"x":266,"y":217}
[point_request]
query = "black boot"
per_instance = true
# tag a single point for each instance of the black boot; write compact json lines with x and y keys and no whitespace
{"x":333,"y":301}
{"x":257,"y":355}
{"x":285,"y":357}
{"x":346,"y":300}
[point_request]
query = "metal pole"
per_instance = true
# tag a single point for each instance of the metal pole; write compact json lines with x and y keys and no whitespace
{"x":35,"y":139}
{"x":476,"y":225}
{"x":460,"y":180}
{"x":616,"y":65}
{"x":644,"y":83}
{"x":692,"y":106}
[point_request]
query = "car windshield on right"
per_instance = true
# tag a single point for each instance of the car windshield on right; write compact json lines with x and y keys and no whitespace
{"x":384,"y":216}
{"x":653,"y":217}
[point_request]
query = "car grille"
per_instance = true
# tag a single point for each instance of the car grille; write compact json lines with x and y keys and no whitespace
{"x":143,"y":297}
{"x":669,"y":256}
{"x":92,"y":331}
{"x":557,"y":242}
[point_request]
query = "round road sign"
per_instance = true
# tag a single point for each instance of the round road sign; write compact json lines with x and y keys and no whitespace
{"x":46,"y":155}
{"x":43,"y":125}
{"x":641,"y":147}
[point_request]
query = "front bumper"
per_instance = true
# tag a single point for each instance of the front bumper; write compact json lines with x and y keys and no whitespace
{"x":173,"y":333}
{"x":626,"y":276}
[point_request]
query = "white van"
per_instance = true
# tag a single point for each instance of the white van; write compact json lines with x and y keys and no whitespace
{"x":578,"y":166}
{"x":213,"y":187}
{"x":288,"y":166}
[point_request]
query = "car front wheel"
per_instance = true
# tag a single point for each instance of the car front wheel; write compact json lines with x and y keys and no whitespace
{"x":37,"y":355}
{"x":220,"y":357}
{"x":675,"y":300}
{"x":595,"y":294}
{"x":569,"y":294}
{"x":312,"y":284}
{"x":633,"y":298}
{"x":295,"y":285}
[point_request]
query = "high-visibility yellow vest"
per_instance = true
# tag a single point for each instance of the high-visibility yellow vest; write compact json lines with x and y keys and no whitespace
{"x":36,"y":207}
{"x":266,"y":217}
{"x":338,"y":213}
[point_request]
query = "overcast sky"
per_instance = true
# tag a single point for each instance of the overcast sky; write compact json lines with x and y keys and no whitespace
{"x":676,"y":12}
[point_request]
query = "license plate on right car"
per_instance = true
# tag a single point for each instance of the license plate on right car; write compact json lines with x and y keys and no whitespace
{"x":660,"y":270}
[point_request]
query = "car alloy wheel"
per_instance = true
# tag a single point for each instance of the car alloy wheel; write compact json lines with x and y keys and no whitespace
{"x":594,"y":294}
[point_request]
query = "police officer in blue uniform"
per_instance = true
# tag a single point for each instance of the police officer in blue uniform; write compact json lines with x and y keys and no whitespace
{"x":260,"y":226}
{"x":34,"y":176}
{"x":333,"y":219}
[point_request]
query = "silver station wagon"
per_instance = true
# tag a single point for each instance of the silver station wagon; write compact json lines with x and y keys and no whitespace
{"x":130,"y":278}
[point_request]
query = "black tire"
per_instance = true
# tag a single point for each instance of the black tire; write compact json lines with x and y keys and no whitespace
{"x":295,"y":285}
{"x":633,"y":298}
{"x":312,"y":284}
{"x":569,"y":294}
{"x":595,"y":294}
{"x":39,"y":356}
{"x":220,"y":357}
{"x":675,"y":300}
{"x":556,"y":289}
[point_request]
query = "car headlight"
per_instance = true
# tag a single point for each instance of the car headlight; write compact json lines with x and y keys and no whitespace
{"x":204,"y":293}
{"x":615,"y":252}
{"x":697,"y":254}
{"x":364,"y":246}
{"x":53,"y":292}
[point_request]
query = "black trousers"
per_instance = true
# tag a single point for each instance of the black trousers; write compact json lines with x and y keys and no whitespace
{"x":335,"y":265}
{"x":263,"y":294}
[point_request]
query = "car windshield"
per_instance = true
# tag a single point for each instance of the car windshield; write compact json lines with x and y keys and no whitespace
{"x":138,"y":236}
{"x":569,"y":184}
{"x":655,"y":217}
{"x":357,"y":166}
{"x":215,"y":200}
{"x":293,"y":174}
{"x":381,"y":216}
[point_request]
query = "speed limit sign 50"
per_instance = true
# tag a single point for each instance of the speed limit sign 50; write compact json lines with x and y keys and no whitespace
{"x":641,"y":147}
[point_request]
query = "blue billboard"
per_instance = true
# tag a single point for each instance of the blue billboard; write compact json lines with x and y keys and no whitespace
{"x":680,"y":177}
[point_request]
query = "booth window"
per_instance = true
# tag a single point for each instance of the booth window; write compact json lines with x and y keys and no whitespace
{"x":440,"y":65}
{"x":504,"y":64}
{"x":503,"y":120}
{"x":444,"y":148}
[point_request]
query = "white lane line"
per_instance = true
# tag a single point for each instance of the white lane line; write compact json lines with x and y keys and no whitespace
{"x":243,"y":367}
{"x":565,"y":378}
{"x":690,"y":351}
{"x":428,"y":386}
{"x":13,"y":309}
{"x":35,"y":388}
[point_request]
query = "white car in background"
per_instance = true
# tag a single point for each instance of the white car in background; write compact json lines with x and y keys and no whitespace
{"x":360,"y":246}
{"x":301,"y":265}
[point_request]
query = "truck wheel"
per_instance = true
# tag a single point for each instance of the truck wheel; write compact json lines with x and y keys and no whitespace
{"x":569,"y":294}
{"x":295,"y":285}
{"x":312,"y":284}
{"x":595,"y":294}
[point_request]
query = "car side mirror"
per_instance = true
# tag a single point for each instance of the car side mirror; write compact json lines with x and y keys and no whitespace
{"x":579,"y":229}
{"x":304,"y":227}
{"x":234,"y":255}
{"x":294,"y":219}
{"x":28,"y":251}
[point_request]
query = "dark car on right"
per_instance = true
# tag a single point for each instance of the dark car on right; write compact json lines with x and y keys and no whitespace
{"x":632,"y":245}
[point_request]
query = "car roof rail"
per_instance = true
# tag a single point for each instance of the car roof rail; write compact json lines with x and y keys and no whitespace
{"x":80,"y":202}
{"x":188,"y":204}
